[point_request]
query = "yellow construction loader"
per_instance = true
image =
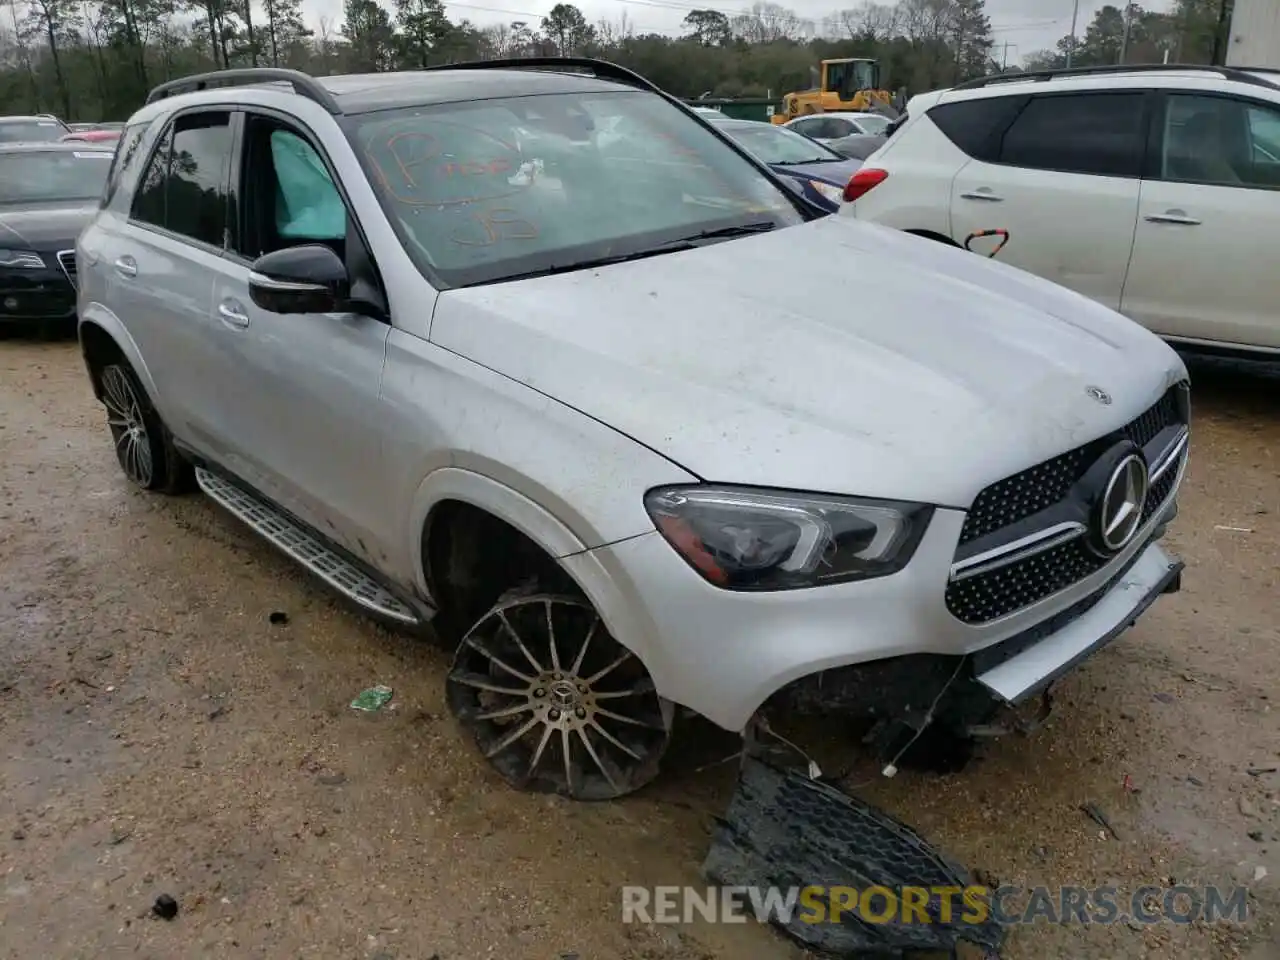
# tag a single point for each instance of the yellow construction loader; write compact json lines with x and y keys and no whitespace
{"x":848,"y":84}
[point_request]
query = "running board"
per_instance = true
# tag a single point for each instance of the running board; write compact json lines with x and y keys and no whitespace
{"x":308,"y":549}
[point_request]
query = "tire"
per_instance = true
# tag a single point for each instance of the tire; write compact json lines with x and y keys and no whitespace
{"x":554,"y":702}
{"x":143,"y":444}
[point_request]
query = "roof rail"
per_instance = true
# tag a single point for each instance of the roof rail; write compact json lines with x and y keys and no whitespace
{"x":303,"y":84}
{"x":1239,"y":74}
{"x":599,"y":68}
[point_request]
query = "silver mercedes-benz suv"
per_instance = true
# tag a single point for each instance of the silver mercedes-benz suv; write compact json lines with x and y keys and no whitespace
{"x":472,"y":362}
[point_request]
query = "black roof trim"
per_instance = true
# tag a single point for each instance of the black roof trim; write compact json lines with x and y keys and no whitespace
{"x":600,"y":69}
{"x":303,"y":84}
{"x":1238,"y":74}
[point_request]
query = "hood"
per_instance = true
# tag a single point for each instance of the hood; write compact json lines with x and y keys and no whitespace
{"x":52,"y":227}
{"x":835,"y":356}
{"x":836,"y":172}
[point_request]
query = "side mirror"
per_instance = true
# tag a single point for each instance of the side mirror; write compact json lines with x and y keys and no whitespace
{"x":305,"y":279}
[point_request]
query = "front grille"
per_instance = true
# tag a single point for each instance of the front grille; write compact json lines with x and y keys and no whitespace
{"x":67,"y":259}
{"x":996,"y":593}
{"x":1024,"y":494}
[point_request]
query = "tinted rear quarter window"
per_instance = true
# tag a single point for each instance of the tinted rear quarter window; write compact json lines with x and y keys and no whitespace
{"x":1093,"y":133}
{"x":974,"y":125}
{"x":127,"y":146}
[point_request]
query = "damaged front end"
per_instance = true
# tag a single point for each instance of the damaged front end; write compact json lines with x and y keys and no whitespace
{"x":785,"y":831}
{"x":929,"y":709}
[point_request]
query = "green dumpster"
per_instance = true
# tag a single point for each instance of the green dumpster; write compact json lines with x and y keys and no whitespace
{"x":747,"y":109}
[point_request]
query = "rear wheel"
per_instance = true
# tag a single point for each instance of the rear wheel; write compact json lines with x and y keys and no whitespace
{"x":554,"y":702}
{"x":144,"y":446}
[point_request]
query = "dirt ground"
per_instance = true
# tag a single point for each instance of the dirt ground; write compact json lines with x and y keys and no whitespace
{"x":158,"y":734}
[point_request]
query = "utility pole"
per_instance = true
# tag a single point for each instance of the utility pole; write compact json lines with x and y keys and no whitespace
{"x":1128,"y":23}
{"x":1075,"y":16}
{"x":1217,"y":55}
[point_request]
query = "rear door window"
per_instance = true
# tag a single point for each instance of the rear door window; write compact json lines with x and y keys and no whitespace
{"x":184,"y":189}
{"x":1093,"y":133}
{"x":975,"y":125}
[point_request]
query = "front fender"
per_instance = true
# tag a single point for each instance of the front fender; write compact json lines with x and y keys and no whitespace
{"x":627,"y":624}
{"x":455,"y":483}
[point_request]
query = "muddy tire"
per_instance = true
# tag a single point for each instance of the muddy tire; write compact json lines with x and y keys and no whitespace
{"x":554,"y":702}
{"x":144,"y":447}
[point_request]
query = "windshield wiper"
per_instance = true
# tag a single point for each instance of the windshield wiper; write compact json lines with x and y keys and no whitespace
{"x":801,"y":163}
{"x":725,"y":233}
{"x":670,"y":246}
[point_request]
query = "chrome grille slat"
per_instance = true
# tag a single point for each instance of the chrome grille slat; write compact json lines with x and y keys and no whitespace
{"x":67,"y":260}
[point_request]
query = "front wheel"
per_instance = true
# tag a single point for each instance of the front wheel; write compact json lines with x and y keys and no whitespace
{"x":554,"y":702}
{"x":144,"y":446}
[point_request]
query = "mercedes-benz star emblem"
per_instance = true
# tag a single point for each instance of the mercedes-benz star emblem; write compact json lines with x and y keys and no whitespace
{"x":1098,"y":394}
{"x":1120,"y":510}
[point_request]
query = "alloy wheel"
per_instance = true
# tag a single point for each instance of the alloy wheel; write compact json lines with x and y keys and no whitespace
{"x":128,"y":428}
{"x":555,"y":703}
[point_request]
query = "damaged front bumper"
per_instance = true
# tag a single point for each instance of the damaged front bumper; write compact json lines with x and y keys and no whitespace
{"x":1022,"y":666}
{"x":964,"y":693}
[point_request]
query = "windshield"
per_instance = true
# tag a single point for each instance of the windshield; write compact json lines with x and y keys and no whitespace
{"x":873,"y":123}
{"x":773,"y":144}
{"x":482,"y":191}
{"x":49,"y":175}
{"x":30,"y":131}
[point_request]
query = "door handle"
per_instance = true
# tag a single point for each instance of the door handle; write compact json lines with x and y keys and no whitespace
{"x":127,"y":267}
{"x":981,"y":195}
{"x":1174,"y":216}
{"x":232,"y":314}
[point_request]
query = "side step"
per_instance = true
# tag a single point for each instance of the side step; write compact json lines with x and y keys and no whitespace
{"x":308,"y":549}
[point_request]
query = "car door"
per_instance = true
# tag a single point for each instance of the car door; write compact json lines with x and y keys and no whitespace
{"x":1209,"y":222}
{"x":1063,"y":178}
{"x":307,"y":387}
{"x":161,"y":264}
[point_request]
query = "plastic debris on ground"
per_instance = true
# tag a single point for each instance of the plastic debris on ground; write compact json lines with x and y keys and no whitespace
{"x":785,"y":830}
{"x":372,"y":700}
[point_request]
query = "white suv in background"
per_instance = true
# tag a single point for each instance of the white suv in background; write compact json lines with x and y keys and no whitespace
{"x":1155,"y":190}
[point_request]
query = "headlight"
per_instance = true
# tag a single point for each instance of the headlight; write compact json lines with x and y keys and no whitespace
{"x":832,"y":193}
{"x":21,"y":259}
{"x":746,"y":539}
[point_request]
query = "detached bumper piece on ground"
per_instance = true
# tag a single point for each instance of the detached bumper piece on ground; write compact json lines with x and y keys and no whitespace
{"x":785,"y":830}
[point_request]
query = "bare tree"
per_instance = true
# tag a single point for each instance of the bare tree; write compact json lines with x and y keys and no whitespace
{"x":870,"y":21}
{"x":767,"y":22}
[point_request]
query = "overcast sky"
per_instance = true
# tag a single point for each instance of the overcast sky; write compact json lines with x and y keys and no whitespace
{"x":1026,"y":25}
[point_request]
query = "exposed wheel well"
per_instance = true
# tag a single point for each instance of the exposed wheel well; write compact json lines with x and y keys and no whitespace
{"x":99,"y":349}
{"x":471,"y":558}
{"x":930,"y":235}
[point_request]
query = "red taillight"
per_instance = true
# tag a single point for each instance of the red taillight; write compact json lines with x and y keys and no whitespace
{"x":862,"y":181}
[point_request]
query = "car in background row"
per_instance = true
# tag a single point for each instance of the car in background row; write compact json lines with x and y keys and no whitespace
{"x":820,"y":171}
{"x":40,"y":128}
{"x":1154,"y":191}
{"x":92,"y":136}
{"x":828,"y":127}
{"x":102,"y":125}
{"x":48,"y":192}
